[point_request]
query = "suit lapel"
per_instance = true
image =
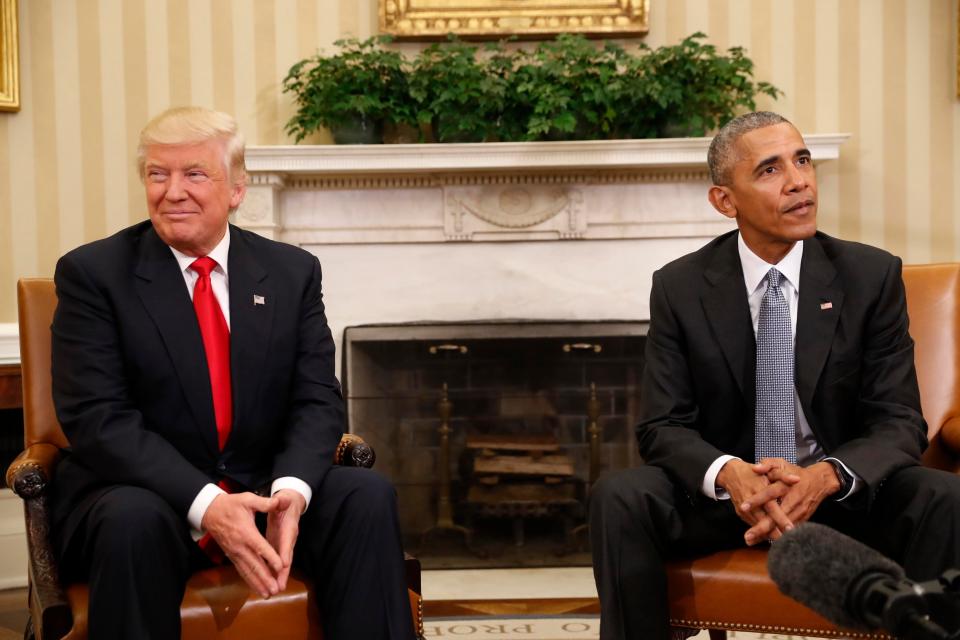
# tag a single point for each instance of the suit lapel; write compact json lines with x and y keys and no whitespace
{"x":161,"y":288}
{"x":818,"y":312}
{"x":728,"y":312}
{"x":252,"y":304}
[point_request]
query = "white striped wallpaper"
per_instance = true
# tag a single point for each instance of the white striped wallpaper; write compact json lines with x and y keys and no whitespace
{"x":93,"y":71}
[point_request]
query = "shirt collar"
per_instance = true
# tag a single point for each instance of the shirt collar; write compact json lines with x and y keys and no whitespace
{"x":219,"y":254}
{"x":755,"y":268}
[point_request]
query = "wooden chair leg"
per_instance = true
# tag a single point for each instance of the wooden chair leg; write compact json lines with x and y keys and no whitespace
{"x":718,"y":634}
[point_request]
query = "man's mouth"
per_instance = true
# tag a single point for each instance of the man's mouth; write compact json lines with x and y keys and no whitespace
{"x":802,"y":207}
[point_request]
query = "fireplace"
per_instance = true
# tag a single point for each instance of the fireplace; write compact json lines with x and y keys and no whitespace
{"x":532,"y":412}
{"x":418,"y":242}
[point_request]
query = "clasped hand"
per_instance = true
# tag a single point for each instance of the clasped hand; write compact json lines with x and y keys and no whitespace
{"x":263,"y":562}
{"x":774,"y":495}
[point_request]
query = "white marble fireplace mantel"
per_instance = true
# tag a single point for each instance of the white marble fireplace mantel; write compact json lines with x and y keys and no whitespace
{"x":489,"y":192}
{"x":460,"y":232}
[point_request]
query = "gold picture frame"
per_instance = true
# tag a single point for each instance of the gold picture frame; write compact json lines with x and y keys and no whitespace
{"x":492,"y":19}
{"x":9,"y":57}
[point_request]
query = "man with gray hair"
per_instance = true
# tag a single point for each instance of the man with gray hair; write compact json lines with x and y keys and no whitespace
{"x":193,"y":375}
{"x":779,"y":387}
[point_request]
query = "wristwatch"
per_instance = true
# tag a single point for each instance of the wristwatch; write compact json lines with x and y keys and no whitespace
{"x":846,"y":480}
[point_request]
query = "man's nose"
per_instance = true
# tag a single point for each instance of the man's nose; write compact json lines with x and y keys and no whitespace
{"x":175,"y":189}
{"x":796,"y":179}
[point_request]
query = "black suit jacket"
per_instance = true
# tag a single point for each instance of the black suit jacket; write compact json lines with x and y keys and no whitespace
{"x":854,"y":368}
{"x":131,"y":385}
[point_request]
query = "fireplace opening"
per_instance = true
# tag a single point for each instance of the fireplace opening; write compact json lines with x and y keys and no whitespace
{"x":492,"y":432}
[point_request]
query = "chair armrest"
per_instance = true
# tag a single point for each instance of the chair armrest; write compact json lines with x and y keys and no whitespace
{"x":30,"y":472}
{"x":29,"y":476}
{"x":354,"y":452}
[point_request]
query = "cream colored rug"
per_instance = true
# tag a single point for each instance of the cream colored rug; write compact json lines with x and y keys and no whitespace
{"x":544,"y":628}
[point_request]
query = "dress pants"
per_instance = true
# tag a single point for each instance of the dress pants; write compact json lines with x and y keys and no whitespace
{"x":137,"y":553}
{"x":639,"y":518}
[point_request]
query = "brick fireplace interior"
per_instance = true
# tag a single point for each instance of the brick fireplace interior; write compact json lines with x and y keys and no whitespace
{"x":519,"y":414}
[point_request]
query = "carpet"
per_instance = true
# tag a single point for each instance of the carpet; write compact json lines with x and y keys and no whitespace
{"x":515,"y":628}
{"x":545,"y":628}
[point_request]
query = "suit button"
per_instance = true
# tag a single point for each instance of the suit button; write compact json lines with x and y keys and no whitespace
{"x":221,"y":467}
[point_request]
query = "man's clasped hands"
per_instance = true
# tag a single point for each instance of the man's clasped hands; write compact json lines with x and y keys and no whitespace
{"x":773,"y":495}
{"x":263,"y":561}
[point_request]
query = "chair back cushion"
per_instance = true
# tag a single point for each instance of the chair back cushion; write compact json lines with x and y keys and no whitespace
{"x":933,"y":304}
{"x":36,"y":302}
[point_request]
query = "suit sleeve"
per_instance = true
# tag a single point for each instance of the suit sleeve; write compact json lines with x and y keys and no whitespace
{"x":667,"y":432}
{"x":893,"y":432}
{"x":316,"y":418}
{"x":105,"y":429}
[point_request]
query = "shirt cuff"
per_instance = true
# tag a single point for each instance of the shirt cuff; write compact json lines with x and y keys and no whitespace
{"x":709,"y":486}
{"x":298,"y":485}
{"x":199,"y":507}
{"x":857,"y":480}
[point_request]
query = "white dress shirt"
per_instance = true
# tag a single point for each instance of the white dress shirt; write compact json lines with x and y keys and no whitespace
{"x":219,"y":280}
{"x":755,"y":271}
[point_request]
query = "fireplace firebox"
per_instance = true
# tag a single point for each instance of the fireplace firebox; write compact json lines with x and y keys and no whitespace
{"x":492,"y":432}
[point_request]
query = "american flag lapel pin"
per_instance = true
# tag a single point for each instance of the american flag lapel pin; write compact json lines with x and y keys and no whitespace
{"x":258,"y":300}
{"x":826,"y":305}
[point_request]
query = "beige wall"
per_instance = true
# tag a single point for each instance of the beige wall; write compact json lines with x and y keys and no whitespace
{"x":92,"y":71}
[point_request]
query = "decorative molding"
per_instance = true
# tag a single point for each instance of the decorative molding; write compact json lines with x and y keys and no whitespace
{"x":260,"y":209}
{"x":257,"y":205}
{"x":434,"y":19}
{"x":266,"y":179}
{"x":9,"y":343}
{"x":538,"y":211}
{"x":374,"y":162}
{"x":320,"y":183}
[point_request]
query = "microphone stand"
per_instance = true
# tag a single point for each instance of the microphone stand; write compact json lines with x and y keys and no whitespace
{"x":917,"y":610}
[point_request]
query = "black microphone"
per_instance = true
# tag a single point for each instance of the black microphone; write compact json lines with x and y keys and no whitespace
{"x":849,"y":584}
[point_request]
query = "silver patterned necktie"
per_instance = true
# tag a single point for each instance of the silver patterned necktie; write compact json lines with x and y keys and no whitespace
{"x":775,"y":427}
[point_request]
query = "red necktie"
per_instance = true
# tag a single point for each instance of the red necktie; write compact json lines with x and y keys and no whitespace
{"x":216,"y":344}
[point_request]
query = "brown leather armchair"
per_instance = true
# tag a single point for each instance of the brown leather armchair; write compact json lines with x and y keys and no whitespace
{"x":730,"y":590}
{"x":217,"y":603}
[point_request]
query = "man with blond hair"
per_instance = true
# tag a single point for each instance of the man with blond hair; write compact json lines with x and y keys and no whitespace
{"x":193,"y":374}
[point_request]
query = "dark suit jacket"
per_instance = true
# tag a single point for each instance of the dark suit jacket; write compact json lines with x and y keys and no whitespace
{"x":854,"y":366}
{"x":130,"y":380}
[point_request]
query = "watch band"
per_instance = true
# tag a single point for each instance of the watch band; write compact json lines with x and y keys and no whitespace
{"x":846,"y":482}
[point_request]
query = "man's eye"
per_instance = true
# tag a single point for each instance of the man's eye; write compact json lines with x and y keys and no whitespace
{"x":156,"y":176}
{"x":803,"y":160}
{"x":196,"y":175}
{"x":769,"y":170}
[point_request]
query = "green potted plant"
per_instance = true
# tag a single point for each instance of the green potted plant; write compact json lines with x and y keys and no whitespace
{"x":569,"y":87}
{"x":687,"y":89}
{"x":460,"y":95}
{"x":353,"y":93}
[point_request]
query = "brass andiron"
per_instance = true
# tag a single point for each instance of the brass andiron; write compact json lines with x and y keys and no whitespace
{"x":593,"y":415}
{"x":444,"y":506}
{"x":595,"y":433}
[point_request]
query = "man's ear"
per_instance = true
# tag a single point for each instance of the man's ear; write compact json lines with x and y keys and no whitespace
{"x":722,"y":201}
{"x":236,"y":194}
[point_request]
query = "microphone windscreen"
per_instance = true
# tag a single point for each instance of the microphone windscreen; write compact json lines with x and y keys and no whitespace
{"x":817,"y":566}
